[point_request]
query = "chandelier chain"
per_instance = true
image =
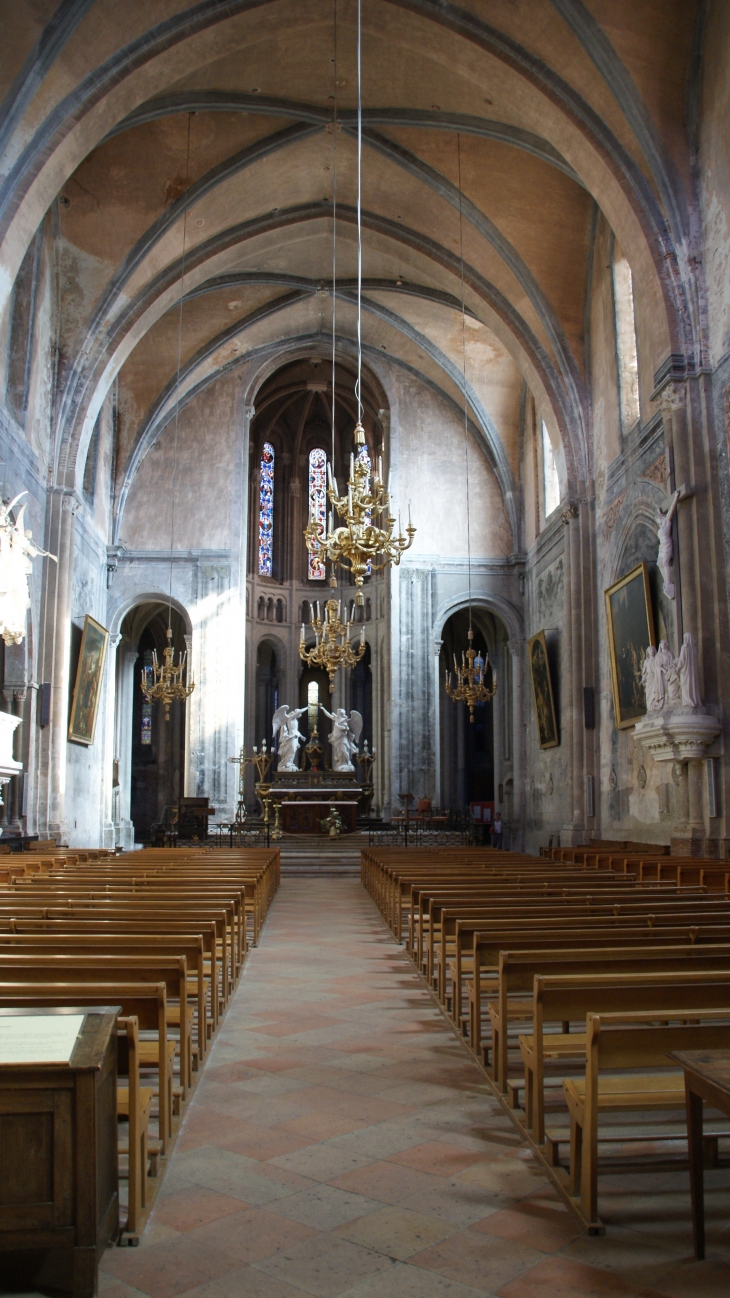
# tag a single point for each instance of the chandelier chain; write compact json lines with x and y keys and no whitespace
{"x":463,"y":368}
{"x":358,"y":389}
{"x":179,"y":358}
{"x":334,"y":231}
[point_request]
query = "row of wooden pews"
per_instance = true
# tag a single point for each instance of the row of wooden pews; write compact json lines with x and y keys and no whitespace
{"x":160,"y":934}
{"x":572,"y":977}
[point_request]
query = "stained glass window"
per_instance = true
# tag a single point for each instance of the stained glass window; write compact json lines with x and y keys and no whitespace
{"x":317,"y":505}
{"x":266,"y":511}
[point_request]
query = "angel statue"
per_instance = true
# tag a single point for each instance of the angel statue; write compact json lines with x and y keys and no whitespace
{"x":666,"y":544}
{"x":16,"y":551}
{"x":286,"y":725}
{"x":344,"y":737}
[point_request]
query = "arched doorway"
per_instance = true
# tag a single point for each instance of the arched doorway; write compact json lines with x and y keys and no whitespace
{"x":469,"y":749}
{"x":156,"y":771}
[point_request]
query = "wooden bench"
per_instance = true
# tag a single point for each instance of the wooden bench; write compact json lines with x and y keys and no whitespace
{"x":620,"y":1042}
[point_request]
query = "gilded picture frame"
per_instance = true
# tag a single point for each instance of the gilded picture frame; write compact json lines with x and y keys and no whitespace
{"x":630,"y":624}
{"x":542,"y":692}
{"x":87,"y":688}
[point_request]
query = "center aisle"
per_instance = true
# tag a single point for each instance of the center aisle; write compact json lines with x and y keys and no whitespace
{"x":340,"y":1141}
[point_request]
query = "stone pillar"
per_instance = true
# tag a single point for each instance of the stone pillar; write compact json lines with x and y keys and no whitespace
{"x":108,"y":826}
{"x":571,"y":705}
{"x":519,"y":810}
{"x":123,"y":743}
{"x":57,"y":650}
{"x":438,"y":797}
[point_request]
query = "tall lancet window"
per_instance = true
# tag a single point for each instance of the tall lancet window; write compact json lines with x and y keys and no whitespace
{"x":628,"y":362}
{"x":266,"y":511}
{"x":317,"y":506}
{"x":550,"y":479}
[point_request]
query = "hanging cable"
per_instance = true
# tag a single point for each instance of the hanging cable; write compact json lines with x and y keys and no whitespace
{"x":179,"y":360}
{"x":463,"y":364}
{"x":334,"y":233}
{"x":358,"y":387}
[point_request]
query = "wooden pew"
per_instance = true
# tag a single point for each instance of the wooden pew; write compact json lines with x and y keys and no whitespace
{"x":562,"y":998}
{"x":619,"y":1042}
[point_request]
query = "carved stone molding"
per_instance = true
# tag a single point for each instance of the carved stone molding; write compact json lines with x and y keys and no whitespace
{"x":569,"y":511}
{"x":608,"y":522}
{"x":673,"y":396}
{"x":657,"y":472}
{"x":678,"y":734}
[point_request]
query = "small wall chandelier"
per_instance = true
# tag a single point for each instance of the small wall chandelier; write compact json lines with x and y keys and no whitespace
{"x":359,"y":545}
{"x":470,"y":676}
{"x":333,"y":647}
{"x":166,"y":682}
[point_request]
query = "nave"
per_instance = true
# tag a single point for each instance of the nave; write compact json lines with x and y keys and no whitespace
{"x":342,"y":1142}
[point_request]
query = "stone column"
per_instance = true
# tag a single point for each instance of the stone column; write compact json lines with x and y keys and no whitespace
{"x":108,"y":827}
{"x":438,"y":791}
{"x":571,"y":705}
{"x":123,"y":742}
{"x":60,"y":660}
{"x":517,"y":835}
{"x":190,"y":779}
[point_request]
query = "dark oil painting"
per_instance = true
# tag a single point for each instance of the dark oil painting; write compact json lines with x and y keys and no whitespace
{"x":630,"y":631}
{"x":542,"y":688}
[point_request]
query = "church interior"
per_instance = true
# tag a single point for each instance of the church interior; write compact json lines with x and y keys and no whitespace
{"x":365,"y":648}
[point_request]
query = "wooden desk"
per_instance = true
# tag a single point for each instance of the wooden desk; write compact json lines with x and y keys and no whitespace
{"x":59,"y":1205}
{"x":706,"y":1077}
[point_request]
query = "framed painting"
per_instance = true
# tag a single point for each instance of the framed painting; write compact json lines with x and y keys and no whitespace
{"x":542,"y":689}
{"x":87,"y":690}
{"x":630,"y":632}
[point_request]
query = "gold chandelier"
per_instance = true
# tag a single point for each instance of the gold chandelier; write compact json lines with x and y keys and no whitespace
{"x":359,"y":544}
{"x":166,"y":682}
{"x":470,"y":687}
{"x":333,"y":647}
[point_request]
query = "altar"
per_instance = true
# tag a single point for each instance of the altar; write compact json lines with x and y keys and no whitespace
{"x":319,"y":790}
{"x":305,"y":816}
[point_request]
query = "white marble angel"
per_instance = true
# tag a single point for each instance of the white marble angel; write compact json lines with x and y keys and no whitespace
{"x":16,"y":551}
{"x":666,"y":544}
{"x":286,"y":725}
{"x":344,"y":737}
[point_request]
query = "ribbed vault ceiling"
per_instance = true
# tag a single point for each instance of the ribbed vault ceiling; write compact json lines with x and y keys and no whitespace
{"x":562,"y":109}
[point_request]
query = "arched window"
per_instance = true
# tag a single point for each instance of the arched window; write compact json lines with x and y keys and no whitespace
{"x":317,"y":505}
{"x":550,"y":480}
{"x":628,"y":363}
{"x":266,"y":511}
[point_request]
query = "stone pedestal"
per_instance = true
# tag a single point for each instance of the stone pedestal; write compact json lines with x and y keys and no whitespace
{"x":681,"y":735}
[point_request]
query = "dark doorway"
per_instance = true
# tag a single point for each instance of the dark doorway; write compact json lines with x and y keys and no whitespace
{"x":158,"y":745}
{"x":467,"y":747}
{"x":267,"y":692}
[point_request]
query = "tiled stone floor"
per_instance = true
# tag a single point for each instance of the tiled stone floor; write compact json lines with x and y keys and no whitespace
{"x":340,"y":1142}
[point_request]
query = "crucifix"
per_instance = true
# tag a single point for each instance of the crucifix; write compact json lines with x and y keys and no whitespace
{"x":241,"y":761}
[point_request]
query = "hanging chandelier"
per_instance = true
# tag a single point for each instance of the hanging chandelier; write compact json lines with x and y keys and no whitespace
{"x":166,"y":682}
{"x":359,"y":544}
{"x":333,"y":647}
{"x":470,"y":687}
